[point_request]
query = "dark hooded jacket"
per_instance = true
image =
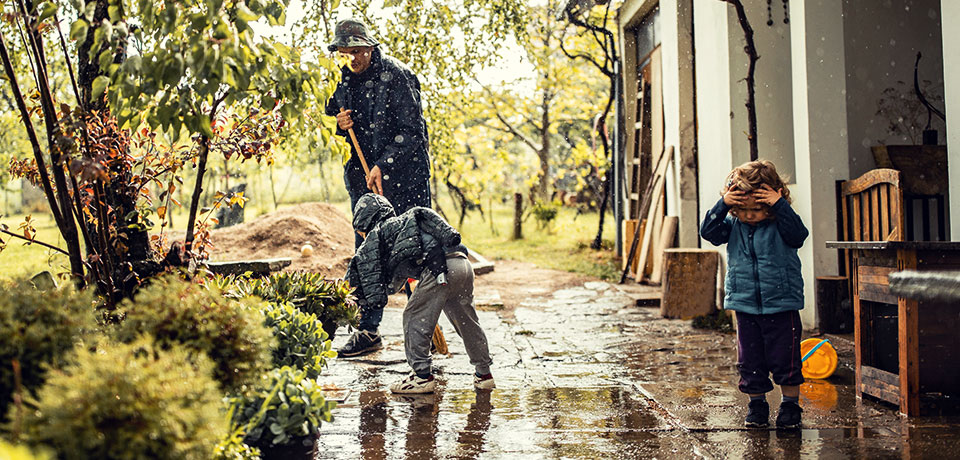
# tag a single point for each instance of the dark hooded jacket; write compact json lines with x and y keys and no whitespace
{"x":388,"y":122}
{"x":396,"y":248}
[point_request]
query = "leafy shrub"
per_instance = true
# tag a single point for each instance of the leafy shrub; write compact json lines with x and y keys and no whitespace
{"x":12,"y":452}
{"x":545,"y":212}
{"x":233,"y":448}
{"x":301,"y":340}
{"x":230,"y":331}
{"x":285,"y":407}
{"x":130,"y":401}
{"x":330,"y":300}
{"x":39,"y":329}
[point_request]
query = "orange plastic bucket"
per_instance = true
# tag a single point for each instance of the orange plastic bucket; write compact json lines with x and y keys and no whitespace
{"x":822,"y":363}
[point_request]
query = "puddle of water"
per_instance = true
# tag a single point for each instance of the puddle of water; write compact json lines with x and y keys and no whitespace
{"x":600,"y":422}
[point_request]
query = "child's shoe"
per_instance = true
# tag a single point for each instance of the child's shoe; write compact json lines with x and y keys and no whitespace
{"x":414,"y":385}
{"x":789,"y":415}
{"x":759,"y":414}
{"x":483,"y":382}
{"x":361,"y":343}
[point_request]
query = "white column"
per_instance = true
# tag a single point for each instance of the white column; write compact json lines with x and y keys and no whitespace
{"x":950,"y":13}
{"x":820,"y":118}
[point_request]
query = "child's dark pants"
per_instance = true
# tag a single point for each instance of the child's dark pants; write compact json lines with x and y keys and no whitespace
{"x":768,"y":344}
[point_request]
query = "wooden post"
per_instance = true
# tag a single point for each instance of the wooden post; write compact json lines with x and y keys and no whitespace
{"x":689,"y":282}
{"x":908,"y":332}
{"x":834,"y":311}
{"x":518,"y":216}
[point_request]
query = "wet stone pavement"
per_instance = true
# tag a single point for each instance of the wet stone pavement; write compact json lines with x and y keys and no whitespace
{"x":583,"y":373}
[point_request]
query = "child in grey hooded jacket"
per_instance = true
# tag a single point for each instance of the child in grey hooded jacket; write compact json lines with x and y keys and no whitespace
{"x":417,"y":244}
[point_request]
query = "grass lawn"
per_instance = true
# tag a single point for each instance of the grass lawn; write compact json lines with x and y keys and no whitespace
{"x":564,"y":245}
{"x":19,"y":259}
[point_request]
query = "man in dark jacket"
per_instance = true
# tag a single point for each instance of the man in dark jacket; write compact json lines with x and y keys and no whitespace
{"x":417,"y":244}
{"x":379,"y":98}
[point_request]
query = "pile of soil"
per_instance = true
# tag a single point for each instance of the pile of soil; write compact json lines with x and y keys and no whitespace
{"x":283,"y":232}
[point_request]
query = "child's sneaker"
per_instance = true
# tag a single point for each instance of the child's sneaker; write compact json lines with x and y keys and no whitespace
{"x":414,"y":385}
{"x":759,"y":414}
{"x":789,"y":415}
{"x":361,"y":343}
{"x":483,"y":382}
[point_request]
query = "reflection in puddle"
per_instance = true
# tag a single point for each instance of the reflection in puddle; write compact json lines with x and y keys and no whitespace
{"x":601,"y":422}
{"x":819,"y":394}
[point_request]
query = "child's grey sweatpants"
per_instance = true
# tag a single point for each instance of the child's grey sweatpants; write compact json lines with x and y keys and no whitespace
{"x":455,"y":299}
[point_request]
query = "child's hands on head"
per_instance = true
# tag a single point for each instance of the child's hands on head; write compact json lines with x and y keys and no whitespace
{"x":735,"y":197}
{"x":767,"y":195}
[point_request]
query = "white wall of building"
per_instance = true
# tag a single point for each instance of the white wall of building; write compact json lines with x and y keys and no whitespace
{"x":895,"y":30}
{"x":820,"y":117}
{"x":773,"y":88}
{"x":714,"y":141}
{"x":669,"y":56}
{"x":950,"y":12}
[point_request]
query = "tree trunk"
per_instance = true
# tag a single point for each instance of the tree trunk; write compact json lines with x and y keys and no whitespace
{"x":544,"y":152}
{"x":197,"y":190}
{"x":518,"y":216}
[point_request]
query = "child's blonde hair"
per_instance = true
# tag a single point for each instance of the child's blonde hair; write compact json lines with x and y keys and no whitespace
{"x":753,"y":175}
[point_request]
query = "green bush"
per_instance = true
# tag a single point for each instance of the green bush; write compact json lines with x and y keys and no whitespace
{"x":39,"y":329}
{"x":545,"y":212}
{"x":233,"y":448}
{"x":230,"y":331}
{"x":301,"y":340}
{"x":330,"y":300}
{"x":285,"y":407}
{"x":129,"y":401}
{"x":12,"y":452}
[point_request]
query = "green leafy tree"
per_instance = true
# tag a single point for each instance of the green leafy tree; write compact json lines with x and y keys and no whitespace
{"x":554,"y":120}
{"x":599,"y":48}
{"x":192,"y":72}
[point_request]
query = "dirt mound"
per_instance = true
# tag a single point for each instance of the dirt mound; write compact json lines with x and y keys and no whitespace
{"x":282,"y":233}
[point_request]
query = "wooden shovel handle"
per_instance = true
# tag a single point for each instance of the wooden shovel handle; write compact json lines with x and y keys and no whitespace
{"x":356,"y":146}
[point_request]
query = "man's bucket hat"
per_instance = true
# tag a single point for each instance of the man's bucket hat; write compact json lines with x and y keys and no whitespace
{"x":351,"y":32}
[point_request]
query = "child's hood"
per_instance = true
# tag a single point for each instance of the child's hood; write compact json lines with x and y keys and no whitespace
{"x":371,"y":210}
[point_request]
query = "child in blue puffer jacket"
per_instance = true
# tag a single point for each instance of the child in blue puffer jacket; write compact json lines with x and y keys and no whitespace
{"x":763,"y":285}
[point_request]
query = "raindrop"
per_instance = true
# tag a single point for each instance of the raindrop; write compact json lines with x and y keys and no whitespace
{"x":368,"y":84}
{"x":390,"y":160}
{"x":386,"y":177}
{"x":893,"y":42}
{"x":398,"y":139}
{"x":386,"y":76}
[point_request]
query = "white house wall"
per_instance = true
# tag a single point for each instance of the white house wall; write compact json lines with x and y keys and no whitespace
{"x":820,"y":117}
{"x":950,"y":12}
{"x":713,"y":99}
{"x":774,"y":98}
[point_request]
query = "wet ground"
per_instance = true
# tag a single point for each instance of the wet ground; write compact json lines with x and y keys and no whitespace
{"x":583,"y":373}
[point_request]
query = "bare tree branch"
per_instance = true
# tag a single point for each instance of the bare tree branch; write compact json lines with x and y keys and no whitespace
{"x":31,"y":241}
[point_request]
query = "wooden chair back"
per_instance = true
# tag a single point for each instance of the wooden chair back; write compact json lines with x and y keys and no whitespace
{"x":871,"y":208}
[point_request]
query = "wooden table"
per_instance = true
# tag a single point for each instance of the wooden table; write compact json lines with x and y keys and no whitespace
{"x":925,"y":362}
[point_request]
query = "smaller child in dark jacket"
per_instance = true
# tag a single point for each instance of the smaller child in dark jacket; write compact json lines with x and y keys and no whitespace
{"x":763,"y":285}
{"x":417,"y":244}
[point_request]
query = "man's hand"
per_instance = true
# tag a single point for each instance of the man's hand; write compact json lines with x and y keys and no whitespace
{"x":343,"y":119}
{"x":734,"y":198}
{"x":375,"y":180}
{"x":767,"y":195}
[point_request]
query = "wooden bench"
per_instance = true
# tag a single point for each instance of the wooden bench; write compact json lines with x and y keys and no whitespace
{"x":907,"y":347}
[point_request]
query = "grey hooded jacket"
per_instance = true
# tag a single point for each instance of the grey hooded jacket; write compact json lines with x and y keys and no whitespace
{"x":396,"y":248}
